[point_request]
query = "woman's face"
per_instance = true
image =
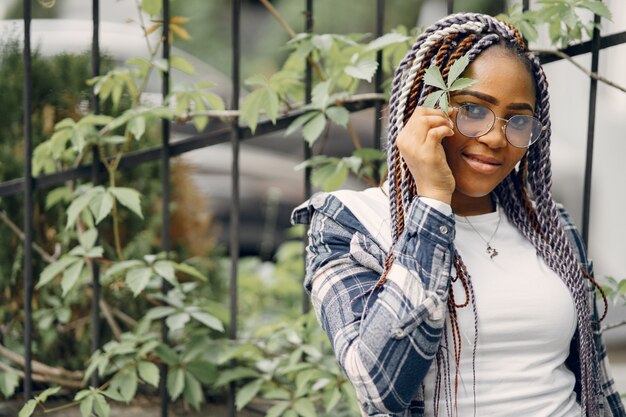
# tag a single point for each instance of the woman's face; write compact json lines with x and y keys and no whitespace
{"x":507,"y":88}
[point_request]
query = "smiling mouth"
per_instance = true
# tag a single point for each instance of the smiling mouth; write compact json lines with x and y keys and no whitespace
{"x":481,"y":166}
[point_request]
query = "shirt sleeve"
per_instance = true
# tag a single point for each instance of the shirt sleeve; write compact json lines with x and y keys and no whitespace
{"x":385,"y":338}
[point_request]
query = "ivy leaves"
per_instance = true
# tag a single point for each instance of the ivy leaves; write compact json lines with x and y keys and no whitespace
{"x":565,"y":24}
{"x":433,"y":77}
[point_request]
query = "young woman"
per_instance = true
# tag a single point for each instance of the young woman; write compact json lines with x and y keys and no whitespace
{"x":460,"y":287}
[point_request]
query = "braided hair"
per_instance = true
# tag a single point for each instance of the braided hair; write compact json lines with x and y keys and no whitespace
{"x":442,"y":44}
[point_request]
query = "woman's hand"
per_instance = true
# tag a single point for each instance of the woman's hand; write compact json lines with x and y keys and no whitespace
{"x":419,"y":143}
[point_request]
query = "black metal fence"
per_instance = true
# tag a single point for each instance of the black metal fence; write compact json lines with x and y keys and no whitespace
{"x":235,"y":134}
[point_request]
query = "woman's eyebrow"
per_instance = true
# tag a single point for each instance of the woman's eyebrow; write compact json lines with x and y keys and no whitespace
{"x":492,"y":100}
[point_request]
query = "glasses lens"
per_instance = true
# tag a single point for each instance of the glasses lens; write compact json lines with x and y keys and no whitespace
{"x":473,"y":120}
{"x":523,"y":131}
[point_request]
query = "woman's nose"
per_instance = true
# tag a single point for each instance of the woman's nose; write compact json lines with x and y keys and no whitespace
{"x":496,"y":137}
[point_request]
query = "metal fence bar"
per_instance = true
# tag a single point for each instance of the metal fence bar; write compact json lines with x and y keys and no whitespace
{"x":525,"y":5}
{"x":308,"y":152}
{"x":586,"y":47}
{"x":591,"y":124}
{"x":166,"y":195}
{"x":28,"y":205}
{"x":95,"y":269}
{"x":378,"y":81}
{"x":234,"y":207}
{"x":450,"y":9}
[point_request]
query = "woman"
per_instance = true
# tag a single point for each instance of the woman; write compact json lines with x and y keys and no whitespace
{"x":460,"y":287}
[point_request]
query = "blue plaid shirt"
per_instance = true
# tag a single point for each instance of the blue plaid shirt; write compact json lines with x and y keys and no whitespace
{"x":385,"y":339}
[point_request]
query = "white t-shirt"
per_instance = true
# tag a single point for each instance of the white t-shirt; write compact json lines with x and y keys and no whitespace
{"x":526,"y":320}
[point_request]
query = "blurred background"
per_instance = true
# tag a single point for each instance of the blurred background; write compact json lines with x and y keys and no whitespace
{"x":270,"y":185}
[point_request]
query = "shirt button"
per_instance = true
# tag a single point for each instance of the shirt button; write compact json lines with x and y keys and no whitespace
{"x":443,"y":229}
{"x":399,"y":333}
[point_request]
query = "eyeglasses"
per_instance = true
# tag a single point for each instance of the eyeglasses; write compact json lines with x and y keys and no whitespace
{"x":475,"y":120}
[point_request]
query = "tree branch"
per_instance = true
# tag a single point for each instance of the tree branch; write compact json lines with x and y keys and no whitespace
{"x":39,"y":367}
{"x":6,"y":220}
{"x":106,"y":311}
{"x":590,"y":74}
{"x":43,"y":378}
{"x":613,"y":325}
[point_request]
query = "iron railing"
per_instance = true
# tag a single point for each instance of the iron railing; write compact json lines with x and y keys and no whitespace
{"x":233,"y":133}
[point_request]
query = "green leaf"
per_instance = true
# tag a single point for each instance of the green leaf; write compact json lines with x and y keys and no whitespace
{"x":95,"y":120}
{"x":386,"y":40}
{"x":322,"y":42}
{"x":189,"y":270}
{"x":167,"y":355}
{"x":159,"y":312}
{"x":71,"y":276}
{"x":101,"y":407}
{"x":54,"y":269}
{"x":277,"y":409}
{"x":119,"y":267}
{"x":433,"y":98}
{"x":193,"y":391}
{"x":137,"y":279}
{"x":433,"y":77}
{"x":43,"y":397}
{"x":235,"y":374}
{"x":9,"y":380}
{"x":339,"y":115}
{"x":330,"y":177}
{"x":28,"y":409}
{"x":129,"y":198}
{"x":88,"y":238}
{"x":137,"y":126}
{"x":149,"y":372}
{"x":597,"y":7}
{"x":443,"y":104}
{"x":86,"y":405}
{"x":333,"y":399}
{"x":205,"y":372}
{"x":152,"y":7}
{"x":299,"y":121}
{"x":106,"y":205}
{"x":80,"y":204}
{"x":251,"y":107}
{"x":247,"y":393}
{"x":175,"y":382}
{"x":208,"y":320}
{"x":457,"y":69}
{"x":182,"y":64}
{"x":128,"y":385}
{"x":165,"y":269}
{"x":177,"y":321}
{"x":305,"y":407}
{"x":363,"y":69}
{"x":462,"y":83}
{"x":256,"y":80}
{"x":313,"y":129}
{"x":58,"y":195}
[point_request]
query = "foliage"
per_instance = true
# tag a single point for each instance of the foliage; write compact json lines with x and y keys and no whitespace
{"x":563,"y":18}
{"x":292,"y":368}
{"x":433,"y":77}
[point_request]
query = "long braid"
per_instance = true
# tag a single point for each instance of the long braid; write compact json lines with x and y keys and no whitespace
{"x":444,"y":42}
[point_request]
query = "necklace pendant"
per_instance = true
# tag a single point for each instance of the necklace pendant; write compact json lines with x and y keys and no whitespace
{"x":491,"y":251}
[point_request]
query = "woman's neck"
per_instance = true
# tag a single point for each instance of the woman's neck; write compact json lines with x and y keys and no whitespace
{"x":463,"y":205}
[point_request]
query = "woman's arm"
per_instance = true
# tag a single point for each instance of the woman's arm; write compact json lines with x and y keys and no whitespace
{"x":384,"y":339}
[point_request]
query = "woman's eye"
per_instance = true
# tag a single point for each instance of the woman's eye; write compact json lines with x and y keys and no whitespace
{"x":476,"y":111}
{"x":520,"y":122}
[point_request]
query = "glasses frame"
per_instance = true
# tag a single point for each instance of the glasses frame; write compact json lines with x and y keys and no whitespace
{"x":493,"y":123}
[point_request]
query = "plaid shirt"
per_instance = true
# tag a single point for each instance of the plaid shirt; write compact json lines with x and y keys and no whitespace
{"x":385,"y":339}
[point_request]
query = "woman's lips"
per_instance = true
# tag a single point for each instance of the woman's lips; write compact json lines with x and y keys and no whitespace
{"x":481,"y":164}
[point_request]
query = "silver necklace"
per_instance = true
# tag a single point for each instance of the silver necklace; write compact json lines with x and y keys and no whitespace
{"x":491,"y":251}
